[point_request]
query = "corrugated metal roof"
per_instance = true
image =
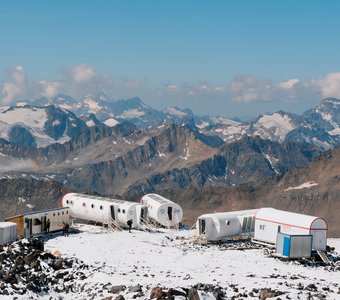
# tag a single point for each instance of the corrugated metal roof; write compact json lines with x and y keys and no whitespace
{"x":44,"y":211}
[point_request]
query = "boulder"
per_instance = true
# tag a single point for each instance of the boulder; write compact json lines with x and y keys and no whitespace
{"x":57,"y":254}
{"x":135,"y":289}
{"x":117,"y":289}
{"x":268,"y":293}
{"x":193,"y":294}
{"x":156,"y":293}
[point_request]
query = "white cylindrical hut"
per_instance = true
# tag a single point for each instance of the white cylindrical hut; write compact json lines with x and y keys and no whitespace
{"x":270,"y":221}
{"x":101,"y":209}
{"x":218,"y":226}
{"x":162,"y":210}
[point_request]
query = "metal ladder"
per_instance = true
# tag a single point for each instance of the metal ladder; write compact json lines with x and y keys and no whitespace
{"x":145,"y":226}
{"x":113,"y":225}
{"x":323,"y":257}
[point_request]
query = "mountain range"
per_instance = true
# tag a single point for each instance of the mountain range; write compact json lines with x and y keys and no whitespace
{"x":126,"y":149}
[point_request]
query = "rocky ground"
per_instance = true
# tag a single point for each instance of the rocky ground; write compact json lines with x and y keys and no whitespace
{"x":29,"y":270}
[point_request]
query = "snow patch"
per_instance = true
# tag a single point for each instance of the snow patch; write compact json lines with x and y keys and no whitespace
{"x":132,"y":113}
{"x":335,"y":131}
{"x":302,"y":186}
{"x":56,"y":122}
{"x":90,"y":123}
{"x":280,"y":124}
{"x":175,"y":111}
{"x":111,"y":122}
{"x":93,"y":106}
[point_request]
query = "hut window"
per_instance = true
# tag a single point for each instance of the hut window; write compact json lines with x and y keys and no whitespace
{"x":101,"y":207}
{"x":62,"y":213}
{"x":58,"y":214}
{"x":84,"y":204}
{"x":228,"y":222}
{"x":262,"y":227}
{"x":67,"y":212}
{"x":119,"y":210}
{"x":123,"y":211}
{"x":67,"y":201}
{"x":37,"y":221}
{"x":53,"y":214}
{"x":92,"y":205}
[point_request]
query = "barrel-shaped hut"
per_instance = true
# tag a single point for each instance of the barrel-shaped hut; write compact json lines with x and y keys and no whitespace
{"x":270,"y":221}
{"x":224,"y":225}
{"x":162,"y":210}
{"x":102,"y":209}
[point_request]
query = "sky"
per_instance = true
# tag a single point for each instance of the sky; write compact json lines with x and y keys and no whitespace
{"x":230,"y":58}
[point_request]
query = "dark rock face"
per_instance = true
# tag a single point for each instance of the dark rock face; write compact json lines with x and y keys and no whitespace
{"x":21,"y":136}
{"x":17,"y":193}
{"x":61,"y":122}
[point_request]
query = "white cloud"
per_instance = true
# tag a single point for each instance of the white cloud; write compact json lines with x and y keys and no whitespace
{"x":289,"y":84}
{"x":82,"y":73}
{"x":131,"y":83}
{"x":49,"y":89}
{"x":328,"y":85}
{"x":203,"y":88}
{"x":247,"y":88}
{"x":16,"y":85}
{"x":172,"y":88}
{"x":219,"y":89}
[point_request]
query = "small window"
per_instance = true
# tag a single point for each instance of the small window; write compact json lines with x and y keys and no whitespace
{"x":119,"y":210}
{"x":67,"y":212}
{"x":67,"y":201}
{"x":58,"y":214}
{"x":53,"y":214}
{"x":262,"y":227}
{"x":123,"y":211}
{"x":228,"y":222}
{"x":101,"y":207}
{"x":92,"y":205}
{"x":84,"y":204}
{"x":62,"y":213}
{"x":37,"y":222}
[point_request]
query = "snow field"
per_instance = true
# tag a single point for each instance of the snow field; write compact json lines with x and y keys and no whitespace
{"x":166,"y":259}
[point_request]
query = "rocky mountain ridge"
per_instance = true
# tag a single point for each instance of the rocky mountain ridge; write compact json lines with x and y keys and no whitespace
{"x":174,"y":159}
{"x":319,"y":125}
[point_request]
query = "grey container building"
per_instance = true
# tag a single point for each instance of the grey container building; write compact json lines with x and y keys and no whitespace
{"x":8,"y":232}
{"x":294,"y":246}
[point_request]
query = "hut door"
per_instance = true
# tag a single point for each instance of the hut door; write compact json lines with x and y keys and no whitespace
{"x":112,"y":208}
{"x":43,"y":224}
{"x":201,"y":224}
{"x":143,"y":214}
{"x":170,"y":213}
{"x":30,"y":225}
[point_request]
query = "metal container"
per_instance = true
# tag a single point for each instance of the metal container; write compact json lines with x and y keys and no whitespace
{"x":294,"y":246}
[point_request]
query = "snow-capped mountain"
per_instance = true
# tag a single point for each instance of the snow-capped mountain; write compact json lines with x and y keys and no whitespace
{"x":319,"y":125}
{"x":38,"y":126}
{"x":326,"y":115}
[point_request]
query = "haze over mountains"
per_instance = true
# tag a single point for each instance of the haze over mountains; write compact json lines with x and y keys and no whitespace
{"x":126,"y":148}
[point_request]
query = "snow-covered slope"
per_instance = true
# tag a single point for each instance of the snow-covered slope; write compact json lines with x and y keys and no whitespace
{"x":275,"y":126}
{"x":326,"y":115}
{"x":38,"y":126}
{"x":170,"y":259}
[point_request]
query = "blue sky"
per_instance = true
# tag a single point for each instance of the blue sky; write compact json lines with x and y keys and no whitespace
{"x":219,"y":57}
